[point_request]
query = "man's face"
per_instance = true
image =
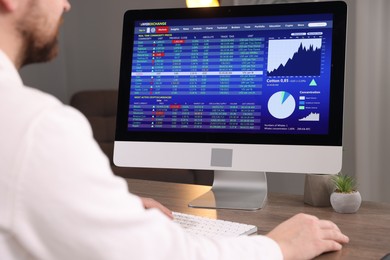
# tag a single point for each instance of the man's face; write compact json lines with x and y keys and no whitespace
{"x":39,"y":28}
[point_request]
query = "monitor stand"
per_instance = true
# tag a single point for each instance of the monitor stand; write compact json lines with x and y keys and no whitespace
{"x":235,"y":190}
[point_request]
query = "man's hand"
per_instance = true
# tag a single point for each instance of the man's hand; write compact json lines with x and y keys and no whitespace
{"x":305,"y":237}
{"x":151,"y":203}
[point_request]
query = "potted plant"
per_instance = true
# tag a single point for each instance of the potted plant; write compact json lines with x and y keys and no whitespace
{"x":345,"y":198}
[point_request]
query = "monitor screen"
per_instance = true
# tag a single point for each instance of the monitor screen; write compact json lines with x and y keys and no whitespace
{"x":243,"y":88}
{"x":259,"y":75}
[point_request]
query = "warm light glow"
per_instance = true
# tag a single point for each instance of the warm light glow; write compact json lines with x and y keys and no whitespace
{"x":202,"y":3}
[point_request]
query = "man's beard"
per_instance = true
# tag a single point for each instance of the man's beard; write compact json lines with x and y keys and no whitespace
{"x":38,"y":47}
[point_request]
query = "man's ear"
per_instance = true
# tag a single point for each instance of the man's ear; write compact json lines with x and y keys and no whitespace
{"x":8,"y":5}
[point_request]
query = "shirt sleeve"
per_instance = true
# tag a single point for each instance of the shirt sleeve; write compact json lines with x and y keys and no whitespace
{"x":69,"y":205}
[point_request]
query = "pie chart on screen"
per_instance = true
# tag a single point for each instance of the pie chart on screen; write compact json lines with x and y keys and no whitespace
{"x":281,"y":105}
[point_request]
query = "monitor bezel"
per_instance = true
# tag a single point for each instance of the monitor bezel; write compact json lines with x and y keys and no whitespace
{"x":333,"y":138}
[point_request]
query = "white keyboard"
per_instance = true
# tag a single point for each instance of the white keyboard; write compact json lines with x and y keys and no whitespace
{"x":212,"y":227}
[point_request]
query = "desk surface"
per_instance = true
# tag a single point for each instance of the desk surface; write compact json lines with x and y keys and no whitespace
{"x":368,"y":229}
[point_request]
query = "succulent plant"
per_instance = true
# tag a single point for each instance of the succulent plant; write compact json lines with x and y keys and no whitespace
{"x":344,"y":183}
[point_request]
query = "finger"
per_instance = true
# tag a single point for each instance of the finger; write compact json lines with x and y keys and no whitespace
{"x":165,"y":210}
{"x":151,"y":203}
{"x":329,"y":245}
{"x":147,"y":202}
{"x":326,"y":224}
{"x":334,"y":235}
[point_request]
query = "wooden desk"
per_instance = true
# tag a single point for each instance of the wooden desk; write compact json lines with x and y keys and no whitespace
{"x":368,"y":229}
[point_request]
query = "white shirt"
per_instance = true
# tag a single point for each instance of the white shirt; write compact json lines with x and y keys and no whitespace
{"x":60,"y":200}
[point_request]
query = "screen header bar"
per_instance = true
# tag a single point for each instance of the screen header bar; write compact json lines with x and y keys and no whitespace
{"x":232,"y":27}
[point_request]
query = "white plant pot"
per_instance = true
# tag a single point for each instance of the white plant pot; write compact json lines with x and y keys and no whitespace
{"x":346,"y":202}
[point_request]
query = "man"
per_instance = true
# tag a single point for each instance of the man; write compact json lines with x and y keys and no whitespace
{"x":59,"y":198}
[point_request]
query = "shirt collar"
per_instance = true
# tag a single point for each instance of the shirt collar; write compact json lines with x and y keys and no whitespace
{"x":8,"y":73}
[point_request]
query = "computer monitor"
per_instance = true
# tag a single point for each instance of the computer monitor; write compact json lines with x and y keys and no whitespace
{"x":240,"y":90}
